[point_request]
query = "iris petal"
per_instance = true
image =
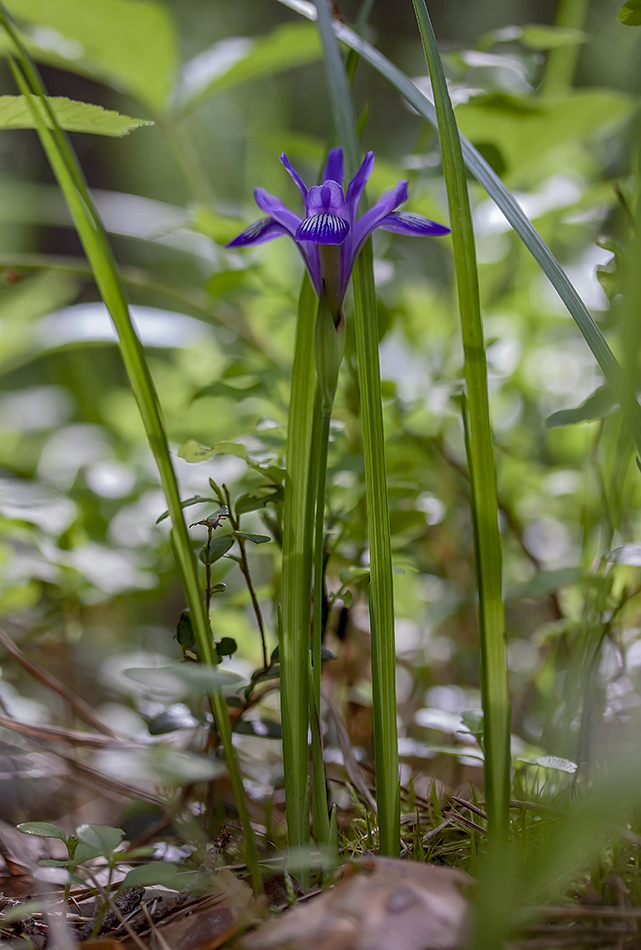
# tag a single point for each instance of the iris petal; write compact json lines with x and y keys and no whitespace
{"x":357,"y":185}
{"x":328,"y":198}
{"x":258,"y":233}
{"x":372,"y":218}
{"x":323,"y":228}
{"x":405,"y":222}
{"x":334,"y":167}
{"x":302,"y":187}
{"x":275,"y":208}
{"x":331,"y":220}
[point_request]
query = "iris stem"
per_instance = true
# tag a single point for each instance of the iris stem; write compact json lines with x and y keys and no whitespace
{"x":321,"y":816}
{"x":298,"y":525}
{"x":381,"y":591}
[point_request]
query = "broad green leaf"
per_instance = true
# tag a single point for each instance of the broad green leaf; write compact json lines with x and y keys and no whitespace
{"x":131,"y":44}
{"x":42,"y":829}
{"x":597,"y":406}
{"x":630,"y":13}
{"x":157,"y":872}
{"x":241,"y":59}
{"x":187,"y":503}
{"x":252,"y":501}
{"x":538,"y":36}
{"x":185,"y":632}
{"x":72,"y":116}
{"x":226,"y":647}
{"x":193,"y":451}
{"x":103,"y":837}
{"x":524,"y":129}
{"x":472,"y":719}
{"x":85,"y":852}
{"x":183,"y":679}
{"x":254,"y":538}
{"x":219,"y":547}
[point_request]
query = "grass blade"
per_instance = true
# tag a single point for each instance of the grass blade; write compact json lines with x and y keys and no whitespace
{"x":381,"y":592}
{"x":487,"y":539}
{"x":297,"y":574}
{"x":487,"y":177}
{"x":96,"y":245}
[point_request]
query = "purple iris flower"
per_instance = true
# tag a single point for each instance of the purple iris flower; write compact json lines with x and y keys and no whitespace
{"x":330,"y":237}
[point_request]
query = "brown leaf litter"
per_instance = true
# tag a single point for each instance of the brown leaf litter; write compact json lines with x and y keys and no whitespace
{"x":379,"y":904}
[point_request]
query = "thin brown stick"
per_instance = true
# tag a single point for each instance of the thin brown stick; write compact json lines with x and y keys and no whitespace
{"x":82,"y":709}
{"x":463,"y":803}
{"x":453,"y":816}
{"x":67,"y":736}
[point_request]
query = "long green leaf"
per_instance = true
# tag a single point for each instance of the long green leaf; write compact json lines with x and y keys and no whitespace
{"x":504,"y":200}
{"x":96,"y":245}
{"x":17,"y":113}
{"x":381,"y":592}
{"x":480,"y":450}
{"x":297,"y":574}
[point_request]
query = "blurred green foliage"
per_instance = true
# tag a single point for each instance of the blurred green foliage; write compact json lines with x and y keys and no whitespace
{"x":86,"y":571}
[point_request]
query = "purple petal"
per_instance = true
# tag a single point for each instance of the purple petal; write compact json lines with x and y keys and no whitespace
{"x":302,"y":187}
{"x":323,"y":229}
{"x":334,"y":167}
{"x":275,"y":208}
{"x":372,"y":218}
{"x":258,"y":233}
{"x":405,"y":222}
{"x":357,"y":185}
{"x":326,"y":198}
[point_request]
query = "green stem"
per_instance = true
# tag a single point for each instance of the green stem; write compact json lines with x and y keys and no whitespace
{"x":92,"y":233}
{"x":561,"y":62}
{"x":297,"y":574}
{"x":321,"y":816}
{"x":481,"y":464}
{"x":381,"y":592}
